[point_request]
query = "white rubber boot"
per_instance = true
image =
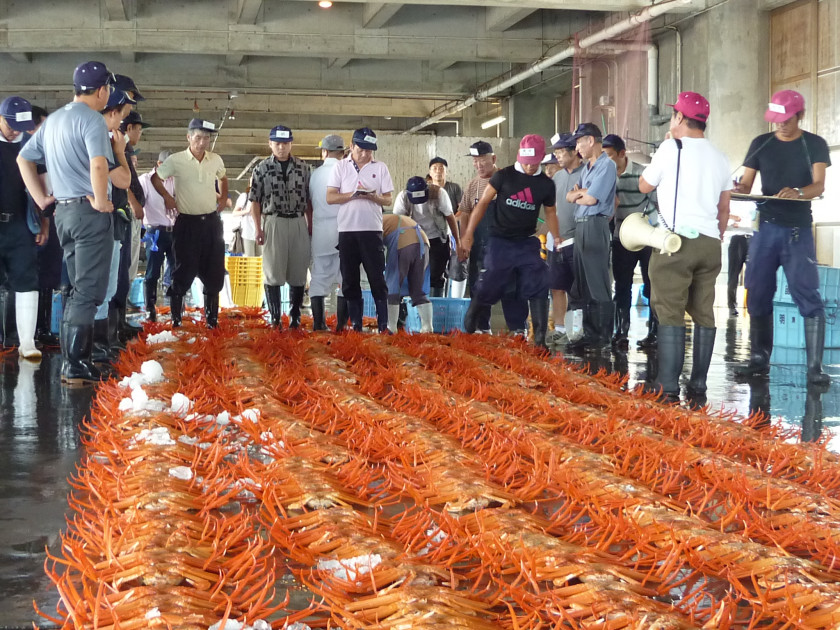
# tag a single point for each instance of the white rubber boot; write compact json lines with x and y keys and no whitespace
{"x":26,"y":314}
{"x":393,"y":316}
{"x":426,"y":317}
{"x":457,"y":288}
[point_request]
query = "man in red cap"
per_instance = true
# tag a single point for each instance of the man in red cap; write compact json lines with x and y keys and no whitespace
{"x":692,"y":179}
{"x":513,"y":250}
{"x":792,"y":163}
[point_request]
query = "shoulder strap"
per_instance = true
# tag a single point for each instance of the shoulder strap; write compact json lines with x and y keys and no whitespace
{"x":676,"y":183}
{"x":808,"y":156}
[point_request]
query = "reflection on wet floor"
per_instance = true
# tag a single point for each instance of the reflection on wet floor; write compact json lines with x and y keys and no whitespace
{"x":39,"y":443}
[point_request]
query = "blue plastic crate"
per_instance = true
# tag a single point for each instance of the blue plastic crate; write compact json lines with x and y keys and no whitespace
{"x":412,"y":322}
{"x":135,"y":294}
{"x":829,"y":285}
{"x":448,"y":314}
{"x":789,"y":327}
{"x":57,"y":312}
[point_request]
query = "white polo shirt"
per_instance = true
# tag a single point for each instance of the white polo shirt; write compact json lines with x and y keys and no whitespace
{"x":360,"y":214}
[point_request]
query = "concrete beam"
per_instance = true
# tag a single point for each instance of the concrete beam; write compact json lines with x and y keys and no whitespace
{"x":377,"y":14}
{"x":247,"y":11}
{"x":119,"y":10}
{"x":500,"y":19}
{"x":565,"y":5}
{"x":128,"y":56}
{"x":234,"y":60}
{"x":443,"y":64}
{"x":338,"y":62}
{"x":21,"y":57}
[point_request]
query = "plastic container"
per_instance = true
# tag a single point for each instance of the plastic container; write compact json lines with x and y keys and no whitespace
{"x":57,"y":312}
{"x":448,"y":314}
{"x":135,"y":294}
{"x":829,"y":286}
{"x":412,"y":322}
{"x":246,"y":279}
{"x":789,"y":327}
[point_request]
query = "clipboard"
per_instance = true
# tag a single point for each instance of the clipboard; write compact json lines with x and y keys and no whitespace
{"x":749,"y":197}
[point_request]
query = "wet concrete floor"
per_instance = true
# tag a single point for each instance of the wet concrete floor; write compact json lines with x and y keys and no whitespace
{"x":40,"y":445}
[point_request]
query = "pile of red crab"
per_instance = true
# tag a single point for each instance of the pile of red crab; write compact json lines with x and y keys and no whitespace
{"x":246,"y":477}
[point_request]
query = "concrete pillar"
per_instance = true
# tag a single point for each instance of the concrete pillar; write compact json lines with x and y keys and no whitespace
{"x":738,"y":59}
{"x":533,"y":113}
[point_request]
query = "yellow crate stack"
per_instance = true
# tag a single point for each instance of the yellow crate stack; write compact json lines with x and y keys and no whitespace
{"x":246,"y":279}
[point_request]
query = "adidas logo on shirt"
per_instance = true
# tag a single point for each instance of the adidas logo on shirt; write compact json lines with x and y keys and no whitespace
{"x":523,"y":200}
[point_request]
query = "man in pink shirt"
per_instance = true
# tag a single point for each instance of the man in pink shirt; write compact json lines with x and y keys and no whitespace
{"x":361,"y":186}
{"x":158,"y":238}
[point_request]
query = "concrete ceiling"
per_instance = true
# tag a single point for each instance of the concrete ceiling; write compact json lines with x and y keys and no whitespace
{"x":386,"y":64}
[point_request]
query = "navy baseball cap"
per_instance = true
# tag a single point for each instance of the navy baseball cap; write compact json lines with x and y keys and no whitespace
{"x":438,"y":160}
{"x":480,"y":148}
{"x":614,"y":141}
{"x":203,"y":125}
{"x":91,"y":75}
{"x":364,"y":138}
{"x":133,"y":118}
{"x":126,"y":84}
{"x":417,"y":189}
{"x":18,"y":113}
{"x":587,"y":129}
{"x":563,"y":141}
{"x":117,"y":98}
{"x":550,"y":158}
{"x":281,"y":134}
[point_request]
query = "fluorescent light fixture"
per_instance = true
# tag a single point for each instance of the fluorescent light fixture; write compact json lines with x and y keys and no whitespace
{"x":325,"y":4}
{"x":498,"y":120}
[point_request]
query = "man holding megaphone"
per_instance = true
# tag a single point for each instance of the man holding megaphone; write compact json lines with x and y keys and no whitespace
{"x":693,"y":183}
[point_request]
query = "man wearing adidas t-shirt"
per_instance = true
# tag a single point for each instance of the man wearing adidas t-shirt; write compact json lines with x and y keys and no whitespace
{"x":513,"y":252}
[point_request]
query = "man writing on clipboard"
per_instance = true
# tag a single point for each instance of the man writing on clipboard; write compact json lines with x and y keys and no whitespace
{"x":792,"y":164}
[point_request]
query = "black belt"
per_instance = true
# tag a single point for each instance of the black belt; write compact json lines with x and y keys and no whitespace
{"x":67,"y":202}
{"x":200,"y":217}
{"x":162,"y":228}
{"x":588,"y":217}
{"x":284,"y":216}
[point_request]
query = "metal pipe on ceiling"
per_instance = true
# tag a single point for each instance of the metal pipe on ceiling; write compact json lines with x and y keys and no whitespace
{"x":502,"y":84}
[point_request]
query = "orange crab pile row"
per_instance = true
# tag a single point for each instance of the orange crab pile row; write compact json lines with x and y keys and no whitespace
{"x":422,"y":481}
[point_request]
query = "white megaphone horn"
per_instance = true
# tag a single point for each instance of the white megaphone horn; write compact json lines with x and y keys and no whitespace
{"x":636,"y":233}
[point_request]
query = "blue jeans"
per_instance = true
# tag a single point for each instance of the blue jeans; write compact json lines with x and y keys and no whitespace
{"x":793,"y":249}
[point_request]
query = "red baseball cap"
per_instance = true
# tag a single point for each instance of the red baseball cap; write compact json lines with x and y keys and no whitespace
{"x":692,"y":105}
{"x":531,"y":150}
{"x":784,"y":105}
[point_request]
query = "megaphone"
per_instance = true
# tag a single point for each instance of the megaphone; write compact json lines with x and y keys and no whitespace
{"x":636,"y":233}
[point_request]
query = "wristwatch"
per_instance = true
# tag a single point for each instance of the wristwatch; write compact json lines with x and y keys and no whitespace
{"x":799,"y":190}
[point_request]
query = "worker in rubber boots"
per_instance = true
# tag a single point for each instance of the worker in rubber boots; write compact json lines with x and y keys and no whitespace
{"x":513,"y":250}
{"x":792,"y":163}
{"x":693,"y":182}
{"x":406,"y":259}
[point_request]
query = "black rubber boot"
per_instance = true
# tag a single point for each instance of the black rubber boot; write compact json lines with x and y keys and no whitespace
{"x":761,"y":347}
{"x":273,"y":299}
{"x":649,"y":342}
{"x":671,"y":355}
{"x":701,"y":358}
{"x":760,"y":399}
{"x":814,"y":346}
{"x":296,"y":299}
{"x":211,"y":310}
{"x":100,"y":350}
{"x":622,"y":327}
{"x":150,"y":299}
{"x":403,"y":315}
{"x":9,"y":320}
{"x":436,"y":292}
{"x":113,"y":331}
{"x":471,"y":317}
{"x":77,"y":368}
{"x":319,"y":320}
{"x":597,"y":328}
{"x":382,"y":314}
{"x":43,"y":326}
{"x":812,"y":420}
{"x":176,"y":306}
{"x":539,"y":320}
{"x":127,"y":331}
{"x":606,"y":319}
{"x":356,"y":310}
{"x":342,"y":313}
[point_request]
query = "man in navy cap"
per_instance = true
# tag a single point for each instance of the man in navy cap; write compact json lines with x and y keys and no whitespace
{"x":362,"y":186}
{"x":595,"y":199}
{"x":561,"y":272}
{"x":628,"y":201}
{"x":18,"y":253}
{"x":197,"y":238}
{"x":73,"y":143}
{"x":282,"y":211}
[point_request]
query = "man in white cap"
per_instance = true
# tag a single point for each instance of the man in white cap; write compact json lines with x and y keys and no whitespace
{"x":792,"y":163}
{"x":326,"y":272}
{"x":282,"y":212}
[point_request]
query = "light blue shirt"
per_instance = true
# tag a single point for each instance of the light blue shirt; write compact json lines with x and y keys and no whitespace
{"x":599,"y":181}
{"x":66,"y":143}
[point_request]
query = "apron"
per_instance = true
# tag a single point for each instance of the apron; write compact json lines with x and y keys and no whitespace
{"x":397,"y":285}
